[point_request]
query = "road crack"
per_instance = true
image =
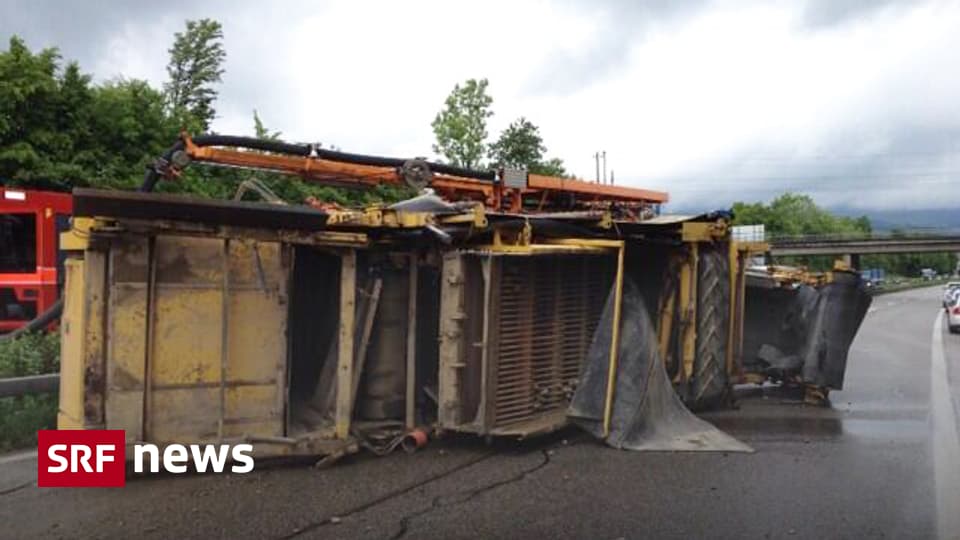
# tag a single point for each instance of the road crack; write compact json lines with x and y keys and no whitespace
{"x":467,"y":496}
{"x":391,"y":495}
{"x":16,"y":488}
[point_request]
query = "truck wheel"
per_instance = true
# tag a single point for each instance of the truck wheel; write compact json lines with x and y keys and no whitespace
{"x":709,"y":387}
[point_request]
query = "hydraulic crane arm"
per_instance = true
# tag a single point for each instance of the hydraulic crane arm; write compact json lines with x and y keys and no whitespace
{"x":525,"y":192}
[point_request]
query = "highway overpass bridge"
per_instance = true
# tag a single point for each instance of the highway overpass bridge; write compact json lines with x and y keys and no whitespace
{"x":851,"y":247}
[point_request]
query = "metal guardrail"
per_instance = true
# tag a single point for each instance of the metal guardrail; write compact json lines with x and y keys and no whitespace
{"x":33,"y":384}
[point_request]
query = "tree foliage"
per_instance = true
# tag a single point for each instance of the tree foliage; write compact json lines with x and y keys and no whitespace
{"x":793,"y":214}
{"x":520,"y":145}
{"x":131,"y":129}
{"x":260,"y":131}
{"x":35,"y":133}
{"x":57,"y":130}
{"x":195,"y":67}
{"x":460,"y":127}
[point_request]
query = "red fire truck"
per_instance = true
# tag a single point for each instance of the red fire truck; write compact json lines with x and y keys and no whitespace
{"x":31,"y":268}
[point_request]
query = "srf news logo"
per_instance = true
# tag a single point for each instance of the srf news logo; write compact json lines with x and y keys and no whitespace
{"x":97,"y":458}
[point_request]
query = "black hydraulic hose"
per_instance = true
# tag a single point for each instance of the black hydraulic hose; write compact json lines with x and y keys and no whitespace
{"x":304,"y":150}
{"x":152,"y":176}
{"x":39,"y":323}
{"x":267,"y":145}
{"x":360,"y":159}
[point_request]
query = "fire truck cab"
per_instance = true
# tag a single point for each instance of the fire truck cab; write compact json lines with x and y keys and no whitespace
{"x":30,"y":261}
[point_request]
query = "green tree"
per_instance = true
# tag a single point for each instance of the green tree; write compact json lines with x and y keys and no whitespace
{"x":460,"y":127}
{"x":33,"y":141}
{"x":261,"y":132}
{"x":195,"y":67}
{"x":520,"y":145}
{"x":910,"y":264}
{"x":551,"y":167}
{"x":130,"y":128}
{"x":793,"y":214}
{"x":58,"y":131}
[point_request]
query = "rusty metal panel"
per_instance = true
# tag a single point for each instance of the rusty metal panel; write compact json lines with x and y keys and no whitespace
{"x":205,"y":319}
{"x":126,"y":326}
{"x":515,"y":330}
{"x":548,"y":308}
{"x":94,"y":340}
{"x":211,"y":380}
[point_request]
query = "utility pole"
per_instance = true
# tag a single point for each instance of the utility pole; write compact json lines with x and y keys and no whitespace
{"x":604,"y":166}
{"x":611,"y":177}
{"x":596,"y":160}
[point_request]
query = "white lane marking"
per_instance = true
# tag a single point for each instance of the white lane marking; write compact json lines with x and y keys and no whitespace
{"x":946,"y":442}
{"x":14,"y":458}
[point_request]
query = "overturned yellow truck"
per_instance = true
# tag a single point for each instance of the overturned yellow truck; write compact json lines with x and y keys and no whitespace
{"x":495,"y":303}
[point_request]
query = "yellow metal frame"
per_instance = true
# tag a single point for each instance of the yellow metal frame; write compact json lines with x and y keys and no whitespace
{"x":477,"y":217}
{"x":704,"y":231}
{"x":733,"y":267}
{"x":77,"y":238}
{"x":620,"y":246}
{"x":348,"y":290}
{"x":689,"y":271}
{"x":378,"y":216}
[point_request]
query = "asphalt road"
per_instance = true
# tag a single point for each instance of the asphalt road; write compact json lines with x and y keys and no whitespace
{"x":864,"y":468}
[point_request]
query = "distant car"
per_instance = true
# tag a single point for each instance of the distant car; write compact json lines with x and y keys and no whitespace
{"x":953,"y":314}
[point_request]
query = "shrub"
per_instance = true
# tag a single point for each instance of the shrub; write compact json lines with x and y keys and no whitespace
{"x":21,"y":417}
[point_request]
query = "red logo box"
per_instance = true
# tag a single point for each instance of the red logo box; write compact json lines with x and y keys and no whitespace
{"x":81,"y":458}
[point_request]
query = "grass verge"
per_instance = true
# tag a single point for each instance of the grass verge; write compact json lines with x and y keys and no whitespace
{"x":21,"y":417}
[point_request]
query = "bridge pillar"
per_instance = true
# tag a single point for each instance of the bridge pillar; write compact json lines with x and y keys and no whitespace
{"x":852,"y":260}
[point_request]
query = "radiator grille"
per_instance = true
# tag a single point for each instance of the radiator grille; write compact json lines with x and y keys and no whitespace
{"x":546,"y":312}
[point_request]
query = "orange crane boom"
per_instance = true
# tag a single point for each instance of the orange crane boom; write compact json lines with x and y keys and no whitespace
{"x":505,"y":190}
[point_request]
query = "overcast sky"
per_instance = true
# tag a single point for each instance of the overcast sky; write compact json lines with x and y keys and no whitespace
{"x":854,"y":102}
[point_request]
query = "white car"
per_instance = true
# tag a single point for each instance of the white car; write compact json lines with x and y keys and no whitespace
{"x":950,"y":291}
{"x":953,"y":314}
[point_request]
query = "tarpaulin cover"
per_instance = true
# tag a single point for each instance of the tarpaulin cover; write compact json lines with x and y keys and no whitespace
{"x":647,"y":413}
{"x":806,"y":331}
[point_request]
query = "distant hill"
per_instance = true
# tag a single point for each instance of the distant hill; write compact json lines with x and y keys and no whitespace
{"x":885,"y":220}
{"x":947,"y":219}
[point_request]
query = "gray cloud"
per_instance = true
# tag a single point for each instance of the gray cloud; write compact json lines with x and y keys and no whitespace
{"x":826,"y":14}
{"x":79,"y":29}
{"x":892,"y":141}
{"x":624,"y":24}
{"x":913,"y":166}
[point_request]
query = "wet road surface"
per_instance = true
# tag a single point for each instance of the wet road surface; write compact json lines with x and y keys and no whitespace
{"x":864,"y":468}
